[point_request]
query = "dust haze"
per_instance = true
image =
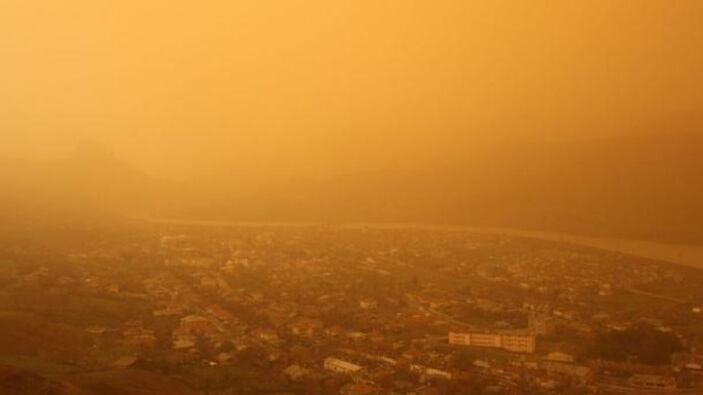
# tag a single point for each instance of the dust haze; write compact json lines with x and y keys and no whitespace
{"x":313,"y":197}
{"x":309,"y":88}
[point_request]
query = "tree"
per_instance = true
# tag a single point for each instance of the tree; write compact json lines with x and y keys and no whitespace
{"x":644,"y":344}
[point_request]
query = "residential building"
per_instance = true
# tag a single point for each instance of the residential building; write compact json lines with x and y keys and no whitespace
{"x":521,"y":343}
{"x":339,"y":366}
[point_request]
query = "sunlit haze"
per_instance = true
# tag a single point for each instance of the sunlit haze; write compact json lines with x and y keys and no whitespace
{"x":318,"y":88}
{"x":353,"y":197}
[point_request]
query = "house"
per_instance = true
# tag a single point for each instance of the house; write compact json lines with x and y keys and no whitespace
{"x":125,"y":362}
{"x":183,"y":344}
{"x":221,"y":313}
{"x":648,"y":381}
{"x":96,"y":330}
{"x":558,"y":356}
{"x":339,"y":366}
{"x":140,"y":338}
{"x":356,"y":335}
{"x":577,"y":372}
{"x":482,"y":364}
{"x":172,"y":308}
{"x":306,"y":327}
{"x":134,"y":334}
{"x":430,"y":372}
{"x":267,"y":335}
{"x":295,"y":372}
{"x":197,"y":325}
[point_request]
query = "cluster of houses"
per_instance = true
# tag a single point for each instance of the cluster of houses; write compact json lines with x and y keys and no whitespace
{"x":363,"y":305}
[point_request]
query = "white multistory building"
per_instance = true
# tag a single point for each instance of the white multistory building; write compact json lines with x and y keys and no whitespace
{"x":510,"y":342}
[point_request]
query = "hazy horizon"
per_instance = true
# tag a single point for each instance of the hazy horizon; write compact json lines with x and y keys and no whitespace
{"x":584,"y":116}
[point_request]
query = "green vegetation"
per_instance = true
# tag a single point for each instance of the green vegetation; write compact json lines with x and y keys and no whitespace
{"x":641,"y":344}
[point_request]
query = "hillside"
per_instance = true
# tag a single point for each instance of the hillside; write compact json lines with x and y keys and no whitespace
{"x":92,"y":183}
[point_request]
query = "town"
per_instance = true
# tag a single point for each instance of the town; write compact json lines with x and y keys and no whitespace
{"x":350,"y":310}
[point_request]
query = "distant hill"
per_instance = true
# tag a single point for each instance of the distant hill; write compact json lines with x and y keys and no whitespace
{"x":91,"y":183}
{"x":643,"y":187}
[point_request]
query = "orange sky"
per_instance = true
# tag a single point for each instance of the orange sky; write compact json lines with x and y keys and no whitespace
{"x":181,"y":88}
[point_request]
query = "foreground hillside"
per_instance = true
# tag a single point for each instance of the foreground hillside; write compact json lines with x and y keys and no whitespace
{"x":46,"y":353}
